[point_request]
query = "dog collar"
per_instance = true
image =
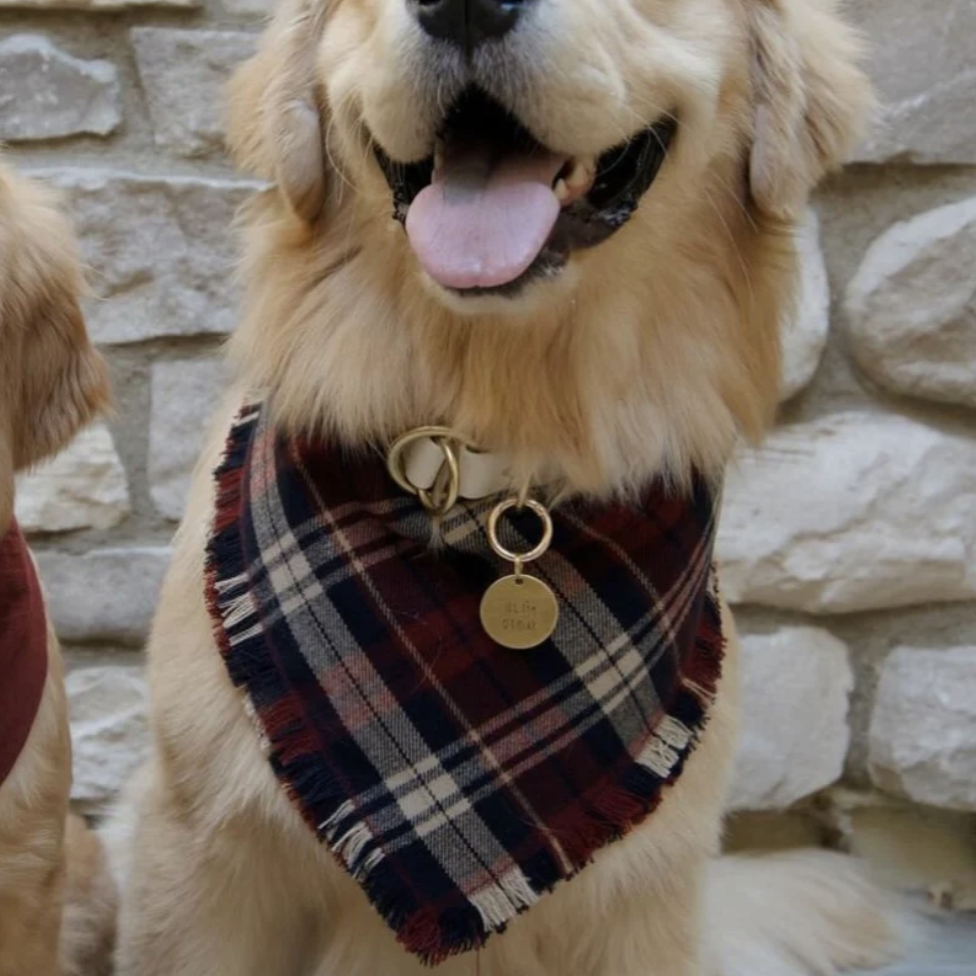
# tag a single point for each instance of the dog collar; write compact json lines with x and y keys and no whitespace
{"x":440,"y":466}
{"x":518,"y":611}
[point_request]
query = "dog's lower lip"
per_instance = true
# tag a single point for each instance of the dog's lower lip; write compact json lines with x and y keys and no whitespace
{"x":548,"y":264}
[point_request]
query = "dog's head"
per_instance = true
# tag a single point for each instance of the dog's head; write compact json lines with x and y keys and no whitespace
{"x":636,"y":164}
{"x":509,"y":136}
{"x":52,"y":381}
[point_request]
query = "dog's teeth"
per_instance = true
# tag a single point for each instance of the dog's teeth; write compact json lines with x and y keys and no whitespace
{"x":582,"y":173}
{"x":562,"y":191}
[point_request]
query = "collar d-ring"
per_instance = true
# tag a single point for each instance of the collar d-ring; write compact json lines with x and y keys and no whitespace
{"x":443,"y":494}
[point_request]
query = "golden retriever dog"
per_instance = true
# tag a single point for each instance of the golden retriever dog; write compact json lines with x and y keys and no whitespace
{"x":561,"y":231}
{"x":52,"y":382}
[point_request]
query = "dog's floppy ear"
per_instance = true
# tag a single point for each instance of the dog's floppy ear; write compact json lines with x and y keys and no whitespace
{"x":810,"y":97}
{"x":52,"y":381}
{"x":275,"y":123}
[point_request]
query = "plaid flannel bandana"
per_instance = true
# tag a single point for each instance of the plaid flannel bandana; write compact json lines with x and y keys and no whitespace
{"x":455,"y":780}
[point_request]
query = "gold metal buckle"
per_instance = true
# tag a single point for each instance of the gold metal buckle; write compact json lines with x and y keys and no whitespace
{"x":443,"y":494}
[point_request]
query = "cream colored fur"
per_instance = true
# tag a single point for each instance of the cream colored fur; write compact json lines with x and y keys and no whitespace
{"x":649,"y":356}
{"x":51,"y":383}
{"x":33,"y":807}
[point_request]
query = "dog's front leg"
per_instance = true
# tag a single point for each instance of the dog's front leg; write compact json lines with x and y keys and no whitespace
{"x":660,"y":935}
{"x":206,"y":902}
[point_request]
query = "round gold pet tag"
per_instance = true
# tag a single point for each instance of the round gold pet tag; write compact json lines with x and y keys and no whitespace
{"x":519,"y":612}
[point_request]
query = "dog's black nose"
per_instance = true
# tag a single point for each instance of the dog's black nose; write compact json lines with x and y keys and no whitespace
{"x":468,"y":23}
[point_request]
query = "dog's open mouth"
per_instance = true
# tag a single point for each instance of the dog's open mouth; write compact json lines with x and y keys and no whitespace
{"x":491,"y":208}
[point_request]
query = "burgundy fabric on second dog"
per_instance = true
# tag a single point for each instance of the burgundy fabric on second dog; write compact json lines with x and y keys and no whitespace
{"x":23,"y":647}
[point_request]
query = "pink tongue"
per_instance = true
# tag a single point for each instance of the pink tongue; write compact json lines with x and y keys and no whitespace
{"x":482,"y":222}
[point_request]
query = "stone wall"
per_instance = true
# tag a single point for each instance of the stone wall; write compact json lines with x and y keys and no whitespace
{"x":849,"y":543}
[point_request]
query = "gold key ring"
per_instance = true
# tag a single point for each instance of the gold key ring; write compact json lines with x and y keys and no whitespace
{"x":544,"y":517}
